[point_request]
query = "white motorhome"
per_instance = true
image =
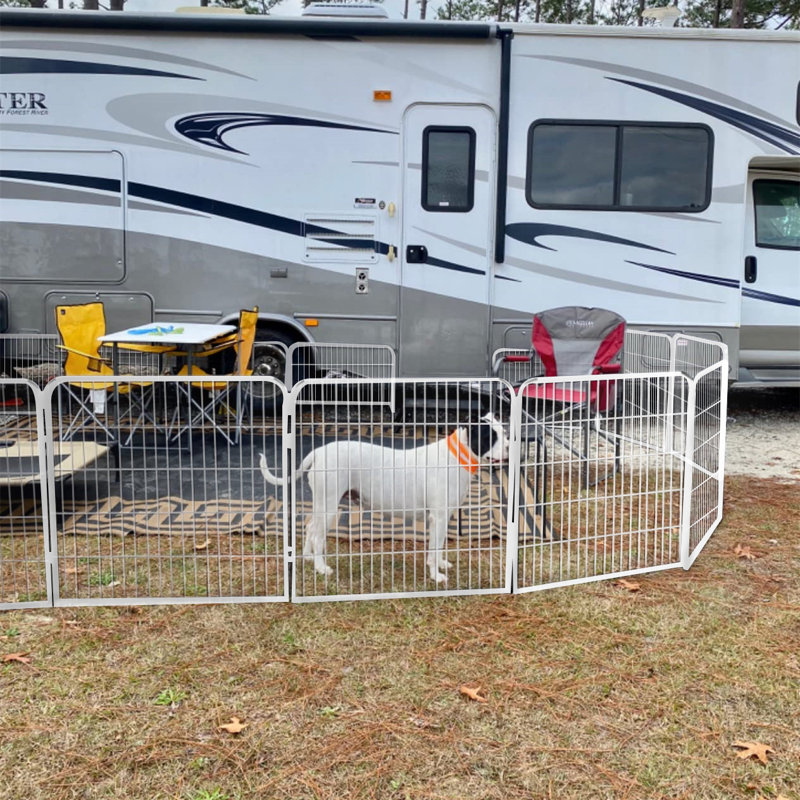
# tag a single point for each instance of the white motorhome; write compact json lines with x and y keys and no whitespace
{"x":426,"y":185}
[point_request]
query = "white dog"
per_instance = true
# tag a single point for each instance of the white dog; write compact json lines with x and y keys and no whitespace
{"x":429,"y":481}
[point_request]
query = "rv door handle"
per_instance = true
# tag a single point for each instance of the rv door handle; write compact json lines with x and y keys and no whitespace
{"x":750,"y":269}
{"x":416,"y":254}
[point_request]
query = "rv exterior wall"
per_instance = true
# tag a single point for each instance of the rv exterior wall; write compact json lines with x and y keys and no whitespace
{"x":191,"y":180}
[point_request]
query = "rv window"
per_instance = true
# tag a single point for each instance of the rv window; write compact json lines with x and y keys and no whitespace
{"x":448,"y":169}
{"x":777,"y":205}
{"x":615,"y":166}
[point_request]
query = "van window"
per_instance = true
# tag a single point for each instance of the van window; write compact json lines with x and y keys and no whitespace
{"x":777,"y":207}
{"x":448,"y":169}
{"x":619,"y":166}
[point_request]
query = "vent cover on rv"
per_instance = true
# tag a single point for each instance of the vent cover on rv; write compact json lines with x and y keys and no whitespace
{"x":345,"y":10}
{"x":341,"y":238}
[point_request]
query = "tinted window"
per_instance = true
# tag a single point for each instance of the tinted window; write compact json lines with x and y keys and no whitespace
{"x":572,"y":165}
{"x":664,"y":167}
{"x":619,"y":166}
{"x":448,"y":169}
{"x":777,"y":205}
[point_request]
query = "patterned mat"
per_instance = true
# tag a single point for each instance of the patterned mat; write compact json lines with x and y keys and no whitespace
{"x":481,"y":518}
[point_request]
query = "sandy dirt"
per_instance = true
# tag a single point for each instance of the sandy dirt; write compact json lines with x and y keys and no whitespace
{"x":764,"y":433}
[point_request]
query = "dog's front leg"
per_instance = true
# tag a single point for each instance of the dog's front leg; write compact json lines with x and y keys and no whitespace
{"x":437,"y":524}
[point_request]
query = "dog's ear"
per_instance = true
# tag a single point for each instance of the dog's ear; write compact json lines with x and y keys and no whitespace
{"x":481,"y":438}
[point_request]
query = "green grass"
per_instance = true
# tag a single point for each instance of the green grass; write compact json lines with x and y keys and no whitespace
{"x":592,"y":691}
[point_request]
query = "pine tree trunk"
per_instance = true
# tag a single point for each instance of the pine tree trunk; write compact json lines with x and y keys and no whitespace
{"x":737,"y":14}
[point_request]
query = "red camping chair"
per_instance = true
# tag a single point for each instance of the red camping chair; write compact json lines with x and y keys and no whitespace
{"x":570,"y":343}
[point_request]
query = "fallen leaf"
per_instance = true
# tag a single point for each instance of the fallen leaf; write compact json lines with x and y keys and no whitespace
{"x":754,"y":749}
{"x":234,"y":726}
{"x":631,"y":586}
{"x":473,"y":694}
{"x":203,"y":545}
{"x":744,"y":552}
{"x":21,"y":657}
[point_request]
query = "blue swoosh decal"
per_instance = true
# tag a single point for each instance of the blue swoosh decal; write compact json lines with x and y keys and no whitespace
{"x":210,"y":129}
{"x":438,"y":262}
{"x":782,"y":138}
{"x":12,"y":65}
{"x":770,"y":298}
{"x":529,"y":233}
{"x":729,"y":283}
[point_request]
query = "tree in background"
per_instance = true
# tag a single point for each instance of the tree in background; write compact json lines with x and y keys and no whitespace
{"x":747,"y":14}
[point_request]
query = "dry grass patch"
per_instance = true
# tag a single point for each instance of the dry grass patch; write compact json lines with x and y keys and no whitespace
{"x":594,"y":691}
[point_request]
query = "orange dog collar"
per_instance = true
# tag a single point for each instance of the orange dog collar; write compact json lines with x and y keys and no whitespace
{"x":462,"y":453}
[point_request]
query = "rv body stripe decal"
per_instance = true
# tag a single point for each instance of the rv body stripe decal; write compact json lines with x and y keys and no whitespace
{"x":780,"y":137}
{"x":205,"y":205}
{"x":729,"y":283}
{"x":770,"y":298}
{"x":529,"y":233}
{"x":210,"y":128}
{"x":438,"y":262}
{"x":85,"y":181}
{"x":11,"y":65}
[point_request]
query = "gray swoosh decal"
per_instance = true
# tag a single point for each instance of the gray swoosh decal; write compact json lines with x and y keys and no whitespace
{"x":582,"y":279}
{"x":11,"y":190}
{"x":149,"y":113}
{"x":118,"y":139}
{"x":116,"y":50}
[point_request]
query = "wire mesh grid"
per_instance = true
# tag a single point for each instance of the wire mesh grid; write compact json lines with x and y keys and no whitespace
{"x":337,"y":361}
{"x":23,"y":565}
{"x":168,"y":504}
{"x":706,"y":363}
{"x":403,"y":504}
{"x":516,"y":365}
{"x":601,"y":479}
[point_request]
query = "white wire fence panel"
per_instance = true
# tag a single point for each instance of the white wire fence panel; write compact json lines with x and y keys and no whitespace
{"x":706,"y":452}
{"x":340,"y":362}
{"x":167,"y":503}
{"x":516,"y":365}
{"x":601,"y":479}
{"x":23,"y":515}
{"x":400,"y":504}
{"x":31,"y":356}
{"x":646,"y":351}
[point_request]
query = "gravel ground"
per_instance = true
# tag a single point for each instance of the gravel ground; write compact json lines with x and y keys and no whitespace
{"x":764,"y":433}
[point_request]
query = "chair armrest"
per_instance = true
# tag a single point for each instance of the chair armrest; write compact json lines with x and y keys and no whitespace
{"x":93,"y":359}
{"x":607,"y":369}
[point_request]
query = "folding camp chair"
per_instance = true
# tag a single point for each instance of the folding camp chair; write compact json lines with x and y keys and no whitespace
{"x":223,"y":395}
{"x":80,"y":326}
{"x":570,"y":343}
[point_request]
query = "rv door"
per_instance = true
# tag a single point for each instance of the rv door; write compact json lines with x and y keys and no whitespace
{"x":770,"y":335}
{"x":448,"y":191}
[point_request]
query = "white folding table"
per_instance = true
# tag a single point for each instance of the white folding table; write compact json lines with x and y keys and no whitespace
{"x":190,"y":338}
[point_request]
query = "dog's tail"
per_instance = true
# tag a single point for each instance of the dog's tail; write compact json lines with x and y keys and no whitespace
{"x":274,"y":479}
{"x":268,"y":476}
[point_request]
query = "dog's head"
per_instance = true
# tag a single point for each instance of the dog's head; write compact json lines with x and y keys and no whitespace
{"x":488,"y":439}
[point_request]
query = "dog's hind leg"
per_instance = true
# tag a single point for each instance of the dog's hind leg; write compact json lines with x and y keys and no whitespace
{"x":314,"y":545}
{"x":437,"y":525}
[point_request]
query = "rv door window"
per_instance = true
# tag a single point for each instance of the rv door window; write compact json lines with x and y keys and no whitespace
{"x":448,"y":169}
{"x":620,"y":167}
{"x":777,"y":207}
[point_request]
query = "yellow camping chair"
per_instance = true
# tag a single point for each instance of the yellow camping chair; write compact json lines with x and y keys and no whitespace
{"x":221,"y":392}
{"x":79,"y":327}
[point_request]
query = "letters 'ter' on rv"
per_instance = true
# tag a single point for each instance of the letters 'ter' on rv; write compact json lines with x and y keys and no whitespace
{"x":420,"y":184}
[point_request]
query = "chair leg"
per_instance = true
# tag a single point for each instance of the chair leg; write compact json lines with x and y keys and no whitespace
{"x":83,"y":418}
